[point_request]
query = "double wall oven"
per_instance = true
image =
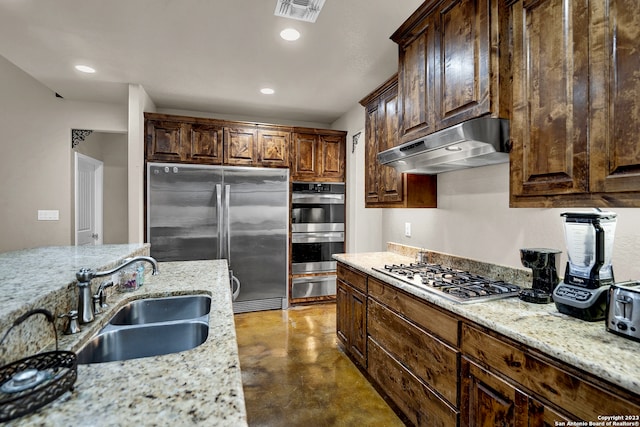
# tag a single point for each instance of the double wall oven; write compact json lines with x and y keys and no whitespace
{"x":317,"y":232}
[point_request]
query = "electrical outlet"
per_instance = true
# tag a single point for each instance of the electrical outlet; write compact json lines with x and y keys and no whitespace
{"x":48,"y":215}
{"x":407,"y":229}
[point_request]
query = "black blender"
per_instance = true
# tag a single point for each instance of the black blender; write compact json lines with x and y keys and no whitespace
{"x":542,"y":263}
{"x":589,"y":273}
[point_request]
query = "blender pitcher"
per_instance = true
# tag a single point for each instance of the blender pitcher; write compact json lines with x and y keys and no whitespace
{"x":589,"y":238}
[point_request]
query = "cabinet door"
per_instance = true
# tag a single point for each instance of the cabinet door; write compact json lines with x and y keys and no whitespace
{"x":550,"y":98}
{"x":305,"y":156}
{"x":358,"y":339}
{"x":615,"y":104}
{"x":240,"y":146}
{"x":413,"y":347}
{"x":332,"y":157}
{"x":390,"y":181}
{"x":342,"y":313}
{"x":543,"y":416}
{"x":371,"y":179}
{"x":462,"y":60}
{"x":488,"y":401}
{"x":273,"y":147}
{"x":416,"y":84}
{"x":164,"y":141}
{"x":205,"y":144}
{"x":419,"y":404}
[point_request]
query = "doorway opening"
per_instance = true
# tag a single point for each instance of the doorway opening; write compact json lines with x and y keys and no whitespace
{"x":111,"y":149}
{"x":88,"y":200}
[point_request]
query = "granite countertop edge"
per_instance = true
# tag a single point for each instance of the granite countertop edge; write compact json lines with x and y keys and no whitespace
{"x":540,"y":326}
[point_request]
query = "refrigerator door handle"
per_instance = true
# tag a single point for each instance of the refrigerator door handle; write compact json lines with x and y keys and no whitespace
{"x":219,"y":213}
{"x":227,"y":195}
{"x":235,"y":286}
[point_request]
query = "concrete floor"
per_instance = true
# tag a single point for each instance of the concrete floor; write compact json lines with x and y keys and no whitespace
{"x":294,"y":374}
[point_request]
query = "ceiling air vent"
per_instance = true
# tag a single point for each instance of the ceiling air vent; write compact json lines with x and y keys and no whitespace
{"x":302,"y":10}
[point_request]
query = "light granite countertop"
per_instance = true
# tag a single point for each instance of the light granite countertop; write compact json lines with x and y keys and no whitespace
{"x":202,"y":386}
{"x":583,"y":345}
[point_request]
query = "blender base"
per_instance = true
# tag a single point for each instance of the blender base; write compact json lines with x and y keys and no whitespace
{"x":591,"y":309}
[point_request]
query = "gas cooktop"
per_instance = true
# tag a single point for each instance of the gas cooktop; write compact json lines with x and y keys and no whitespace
{"x":455,"y":285}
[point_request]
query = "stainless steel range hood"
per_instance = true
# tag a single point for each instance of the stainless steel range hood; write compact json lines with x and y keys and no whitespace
{"x":477,"y":142}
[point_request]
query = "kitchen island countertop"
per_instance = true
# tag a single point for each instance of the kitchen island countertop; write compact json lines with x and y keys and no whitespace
{"x":199,"y":386}
{"x":583,"y":345}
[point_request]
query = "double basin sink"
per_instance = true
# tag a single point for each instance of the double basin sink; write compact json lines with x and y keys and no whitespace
{"x":150,"y":327}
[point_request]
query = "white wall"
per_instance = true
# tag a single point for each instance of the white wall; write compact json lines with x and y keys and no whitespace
{"x":364,"y":226}
{"x":35,"y":166}
{"x":473,"y":218}
{"x":139,"y":103}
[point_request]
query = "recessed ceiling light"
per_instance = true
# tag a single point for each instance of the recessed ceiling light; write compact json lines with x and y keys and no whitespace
{"x":267,"y":91}
{"x":290,"y":34}
{"x":85,"y":69}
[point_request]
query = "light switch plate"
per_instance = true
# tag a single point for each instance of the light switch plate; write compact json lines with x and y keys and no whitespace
{"x":407,"y":229}
{"x":48,"y":215}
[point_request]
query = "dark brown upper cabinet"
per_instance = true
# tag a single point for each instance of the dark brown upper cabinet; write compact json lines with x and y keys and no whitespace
{"x":453,"y":65}
{"x":318,"y":155}
{"x":383,"y":185}
{"x":273,"y":146}
{"x":241,"y":145}
{"x":176,"y":140}
{"x":576,"y":111}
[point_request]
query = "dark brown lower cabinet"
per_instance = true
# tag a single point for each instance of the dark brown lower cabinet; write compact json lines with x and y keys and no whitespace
{"x":351,"y":312}
{"x":416,"y":368}
{"x":487,"y":400}
{"x":412,"y":396}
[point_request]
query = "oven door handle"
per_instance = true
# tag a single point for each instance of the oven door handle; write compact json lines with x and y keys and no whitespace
{"x":317,"y":237}
{"x":327,"y":199}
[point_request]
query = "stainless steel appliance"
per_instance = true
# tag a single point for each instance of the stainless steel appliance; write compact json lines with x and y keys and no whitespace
{"x":589,"y":237}
{"x":542,"y":263}
{"x":623,"y":309}
{"x":456,"y":285}
{"x":476,"y":142}
{"x":198,"y":212}
{"x":317,"y":232}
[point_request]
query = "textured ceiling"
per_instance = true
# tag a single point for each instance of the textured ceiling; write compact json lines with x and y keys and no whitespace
{"x":207,"y":55}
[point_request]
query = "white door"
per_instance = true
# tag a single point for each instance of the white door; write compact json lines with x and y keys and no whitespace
{"x":88,"y":200}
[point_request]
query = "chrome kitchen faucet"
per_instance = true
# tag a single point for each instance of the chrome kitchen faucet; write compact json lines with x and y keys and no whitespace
{"x":85,"y":275}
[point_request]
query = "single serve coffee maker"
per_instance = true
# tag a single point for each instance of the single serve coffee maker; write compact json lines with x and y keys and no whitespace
{"x":589,"y":273}
{"x":542,"y":263}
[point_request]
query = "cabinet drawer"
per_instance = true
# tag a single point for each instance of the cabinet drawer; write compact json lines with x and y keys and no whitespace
{"x":419,"y":312}
{"x":578,"y":397}
{"x":412,"y":396}
{"x":352,"y":277}
{"x":431,"y":360}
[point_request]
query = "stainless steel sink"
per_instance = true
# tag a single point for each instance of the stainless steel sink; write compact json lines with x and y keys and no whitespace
{"x":143,"y":341}
{"x":151,"y":327}
{"x":152,"y":310}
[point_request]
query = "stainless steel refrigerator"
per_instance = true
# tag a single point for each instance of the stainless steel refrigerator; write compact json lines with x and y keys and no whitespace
{"x":198,"y":212}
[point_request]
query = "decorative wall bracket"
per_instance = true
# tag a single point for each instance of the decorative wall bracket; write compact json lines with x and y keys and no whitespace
{"x":78,"y":136}
{"x":355,"y":139}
